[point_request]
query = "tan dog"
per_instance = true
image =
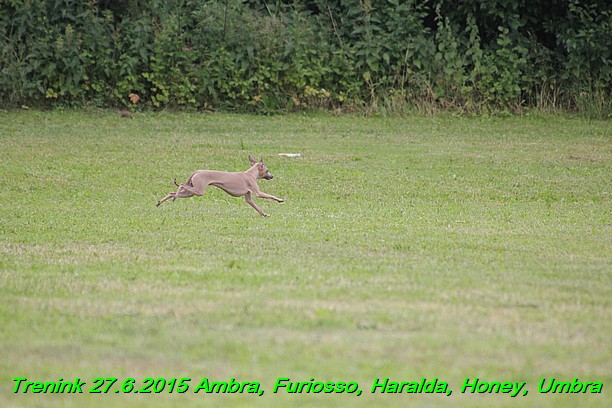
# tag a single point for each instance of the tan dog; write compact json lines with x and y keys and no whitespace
{"x":235,"y":184}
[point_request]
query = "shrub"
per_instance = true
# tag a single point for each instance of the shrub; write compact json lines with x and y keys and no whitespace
{"x":266,"y":56}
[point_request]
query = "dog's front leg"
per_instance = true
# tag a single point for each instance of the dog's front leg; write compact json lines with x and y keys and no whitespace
{"x":261,"y":194}
{"x":249,"y":200}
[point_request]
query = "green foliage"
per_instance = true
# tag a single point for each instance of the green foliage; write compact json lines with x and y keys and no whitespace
{"x":264,"y":56}
{"x":507,"y":65}
{"x":587,"y":39}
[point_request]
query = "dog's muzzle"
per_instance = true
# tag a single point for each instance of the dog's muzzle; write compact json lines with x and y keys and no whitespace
{"x":268,"y":177}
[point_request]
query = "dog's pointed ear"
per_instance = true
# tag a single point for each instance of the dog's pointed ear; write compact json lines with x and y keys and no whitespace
{"x":261,"y":159}
{"x":252,"y":160}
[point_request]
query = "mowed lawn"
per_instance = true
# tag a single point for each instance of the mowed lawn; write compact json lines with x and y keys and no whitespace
{"x":407,"y":248}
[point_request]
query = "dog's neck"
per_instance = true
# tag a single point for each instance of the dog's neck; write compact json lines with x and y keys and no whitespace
{"x":253,"y":171}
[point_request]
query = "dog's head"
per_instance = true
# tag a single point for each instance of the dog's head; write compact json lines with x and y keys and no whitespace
{"x":263,"y":170}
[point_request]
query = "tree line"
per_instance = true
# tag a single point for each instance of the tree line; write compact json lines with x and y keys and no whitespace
{"x":387,"y":56}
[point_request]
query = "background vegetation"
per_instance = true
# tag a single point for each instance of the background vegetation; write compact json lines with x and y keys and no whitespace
{"x":265,"y":56}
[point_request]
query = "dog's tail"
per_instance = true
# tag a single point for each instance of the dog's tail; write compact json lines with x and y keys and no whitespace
{"x":188,"y":183}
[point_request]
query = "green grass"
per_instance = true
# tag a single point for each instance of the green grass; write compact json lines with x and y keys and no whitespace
{"x":442,"y":247}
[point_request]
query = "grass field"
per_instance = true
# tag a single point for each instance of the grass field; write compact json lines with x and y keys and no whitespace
{"x":443,"y":247}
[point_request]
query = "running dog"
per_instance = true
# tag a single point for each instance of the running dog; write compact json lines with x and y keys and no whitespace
{"x":236,"y":184}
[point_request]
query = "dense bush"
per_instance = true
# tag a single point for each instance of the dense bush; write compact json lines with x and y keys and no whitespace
{"x":264,"y":56}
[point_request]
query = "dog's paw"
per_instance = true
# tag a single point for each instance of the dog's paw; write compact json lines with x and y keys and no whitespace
{"x":280,"y":200}
{"x":265,"y":215}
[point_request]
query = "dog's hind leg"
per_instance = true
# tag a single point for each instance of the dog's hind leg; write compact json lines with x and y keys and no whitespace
{"x":182,"y":192}
{"x":169,"y":196}
{"x":188,"y":191}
